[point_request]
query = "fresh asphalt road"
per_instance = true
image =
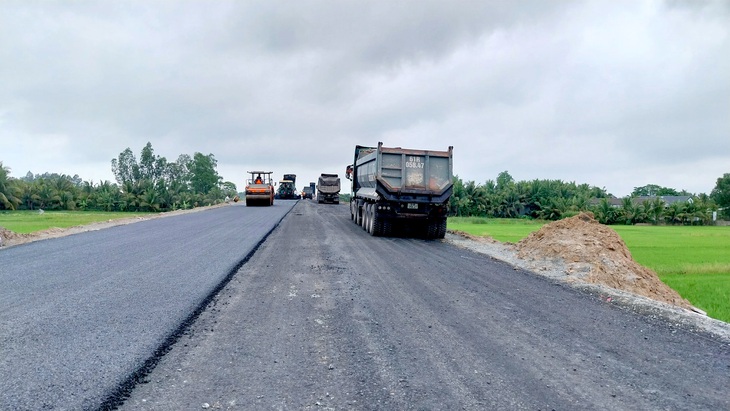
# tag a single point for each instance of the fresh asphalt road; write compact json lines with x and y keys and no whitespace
{"x":324,"y":316}
{"x":80,"y":314}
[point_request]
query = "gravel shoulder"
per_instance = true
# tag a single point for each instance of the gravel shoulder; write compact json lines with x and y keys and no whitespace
{"x":558,"y":269}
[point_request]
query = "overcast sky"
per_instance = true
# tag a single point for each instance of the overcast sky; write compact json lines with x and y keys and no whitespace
{"x":615,"y":94}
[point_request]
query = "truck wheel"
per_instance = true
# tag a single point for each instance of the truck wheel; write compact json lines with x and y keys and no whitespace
{"x":371,"y":218}
{"x":377,"y":223}
{"x":387,"y":228}
{"x":441,"y":231}
{"x":436,"y":229}
{"x":364,"y":222}
{"x":367,"y":218}
{"x":431,"y":227}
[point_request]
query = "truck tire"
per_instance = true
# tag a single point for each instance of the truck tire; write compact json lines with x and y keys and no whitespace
{"x":365,"y":217}
{"x":377,"y":223}
{"x":387,"y":228}
{"x":431,"y":227}
{"x":441,"y":230}
{"x":436,"y":229}
{"x":371,"y":219}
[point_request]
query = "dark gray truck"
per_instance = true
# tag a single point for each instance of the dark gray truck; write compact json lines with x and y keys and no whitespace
{"x":397,"y":190}
{"x":328,"y":189}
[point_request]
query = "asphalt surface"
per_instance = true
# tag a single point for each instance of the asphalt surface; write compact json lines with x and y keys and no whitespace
{"x":81,"y":315}
{"x":324,"y":316}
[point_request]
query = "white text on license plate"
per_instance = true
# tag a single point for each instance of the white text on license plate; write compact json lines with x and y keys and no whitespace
{"x":412,"y":206}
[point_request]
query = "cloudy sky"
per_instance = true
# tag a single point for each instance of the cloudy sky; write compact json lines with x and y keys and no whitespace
{"x":616,"y":94}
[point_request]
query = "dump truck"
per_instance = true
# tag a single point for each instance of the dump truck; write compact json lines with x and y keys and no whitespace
{"x":328,"y":188}
{"x":287,"y":187}
{"x":307,"y":192}
{"x":397,"y":190}
{"x":259,"y":189}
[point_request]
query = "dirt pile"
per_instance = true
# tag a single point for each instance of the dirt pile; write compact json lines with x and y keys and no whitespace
{"x":10,"y":238}
{"x":7,"y":236}
{"x":594,"y":253}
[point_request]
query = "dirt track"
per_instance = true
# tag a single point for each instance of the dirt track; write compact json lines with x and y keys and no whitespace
{"x":326,"y":317}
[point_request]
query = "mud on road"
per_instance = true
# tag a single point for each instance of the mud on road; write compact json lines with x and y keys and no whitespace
{"x":324,"y":316}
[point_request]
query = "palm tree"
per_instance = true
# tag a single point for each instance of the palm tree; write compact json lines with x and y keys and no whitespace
{"x":30,"y":196}
{"x":674,"y":213}
{"x":150,"y":200}
{"x":605,"y":213}
{"x":106,"y":196}
{"x":510,"y":204}
{"x":627,"y":210}
{"x":49,"y":197}
{"x":555,"y":210}
{"x":9,"y":190}
{"x":655,"y":209}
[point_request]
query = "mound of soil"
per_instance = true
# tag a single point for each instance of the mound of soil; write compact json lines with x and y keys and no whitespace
{"x":6,"y":236}
{"x":10,"y":238}
{"x":594,"y":253}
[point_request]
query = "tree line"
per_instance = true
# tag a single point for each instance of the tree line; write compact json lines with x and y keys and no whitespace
{"x":151,"y":183}
{"x":555,"y":199}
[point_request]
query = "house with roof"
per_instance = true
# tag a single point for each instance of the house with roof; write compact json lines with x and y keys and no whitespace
{"x":618,"y":202}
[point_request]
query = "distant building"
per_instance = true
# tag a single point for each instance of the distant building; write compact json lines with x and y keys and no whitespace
{"x":668,"y":200}
{"x":618,"y":202}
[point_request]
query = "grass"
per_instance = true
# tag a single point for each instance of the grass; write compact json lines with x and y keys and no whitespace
{"x":501,"y":229}
{"x":694,"y":261}
{"x":24,"y":222}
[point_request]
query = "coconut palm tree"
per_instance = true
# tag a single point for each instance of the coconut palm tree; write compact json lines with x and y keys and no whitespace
{"x":605,"y":213}
{"x":9,"y":190}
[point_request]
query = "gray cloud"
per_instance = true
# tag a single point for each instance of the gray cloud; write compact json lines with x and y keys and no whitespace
{"x":614,"y":94}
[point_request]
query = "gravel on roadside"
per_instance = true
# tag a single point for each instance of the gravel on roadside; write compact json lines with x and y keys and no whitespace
{"x":557,"y":269}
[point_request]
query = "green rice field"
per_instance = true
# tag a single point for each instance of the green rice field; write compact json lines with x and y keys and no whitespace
{"x":693,"y":260}
{"x":23,"y":222}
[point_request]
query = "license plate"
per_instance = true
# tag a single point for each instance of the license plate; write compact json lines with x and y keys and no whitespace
{"x":412,"y":206}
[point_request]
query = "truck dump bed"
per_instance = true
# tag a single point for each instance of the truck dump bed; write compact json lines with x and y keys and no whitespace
{"x":395,"y":188}
{"x":328,"y":188}
{"x":329,"y":183}
{"x":403,"y":171}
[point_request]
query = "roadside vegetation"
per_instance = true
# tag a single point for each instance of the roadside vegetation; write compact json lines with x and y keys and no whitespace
{"x":150,"y":184}
{"x":693,"y":260}
{"x":24,"y":221}
{"x":555,"y":199}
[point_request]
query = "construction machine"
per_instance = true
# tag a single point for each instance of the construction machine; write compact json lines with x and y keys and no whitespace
{"x":259,"y":189}
{"x":287,"y":189}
